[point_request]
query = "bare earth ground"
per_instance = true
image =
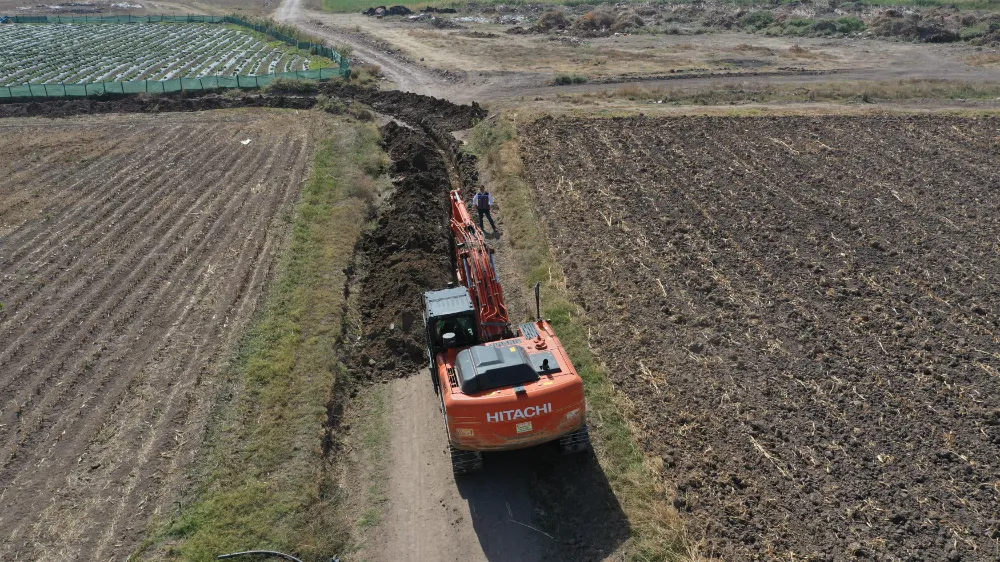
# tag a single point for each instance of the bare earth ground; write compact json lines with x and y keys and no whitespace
{"x":803,"y":310}
{"x":133,"y":252}
{"x":454,"y":64}
{"x":430,"y":518}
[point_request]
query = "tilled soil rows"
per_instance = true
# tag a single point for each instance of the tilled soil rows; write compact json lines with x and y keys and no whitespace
{"x":804,"y":313}
{"x":133,"y":252}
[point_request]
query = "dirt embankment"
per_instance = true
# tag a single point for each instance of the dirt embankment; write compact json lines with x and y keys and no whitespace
{"x":427,"y":112}
{"x":158,"y":104}
{"x":407,"y":253}
{"x":404,"y":256}
{"x":804,"y":312}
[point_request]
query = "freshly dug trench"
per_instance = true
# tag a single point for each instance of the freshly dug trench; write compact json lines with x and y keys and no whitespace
{"x":404,"y":256}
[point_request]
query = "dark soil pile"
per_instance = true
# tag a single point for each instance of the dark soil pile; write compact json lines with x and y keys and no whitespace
{"x":804,"y":313}
{"x":406,"y":255}
{"x":916,"y":27}
{"x":392,"y":11}
{"x":425,"y":111}
{"x":157,"y":104}
{"x":414,"y":109}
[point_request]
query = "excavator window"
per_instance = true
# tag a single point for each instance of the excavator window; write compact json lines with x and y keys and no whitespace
{"x":464,"y":328}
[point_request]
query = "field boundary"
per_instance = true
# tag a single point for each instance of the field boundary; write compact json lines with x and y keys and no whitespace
{"x":265,"y":479}
{"x":658,"y":533}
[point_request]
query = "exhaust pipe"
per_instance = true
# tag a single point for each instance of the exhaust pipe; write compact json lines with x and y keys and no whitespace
{"x":538,"y":301}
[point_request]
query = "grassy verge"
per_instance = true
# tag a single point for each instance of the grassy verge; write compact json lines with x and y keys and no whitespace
{"x":657,"y":531}
{"x":372,"y":416}
{"x":263,"y":478}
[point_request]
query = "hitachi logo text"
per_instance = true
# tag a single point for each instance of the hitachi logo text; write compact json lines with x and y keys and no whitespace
{"x":511,"y":415}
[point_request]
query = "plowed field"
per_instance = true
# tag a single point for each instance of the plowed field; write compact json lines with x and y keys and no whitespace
{"x":133,"y":250}
{"x":804,"y":312}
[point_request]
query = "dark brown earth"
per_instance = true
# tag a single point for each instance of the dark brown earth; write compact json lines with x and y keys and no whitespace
{"x":804,"y":312}
{"x":412,"y":108}
{"x":134,"y":250}
{"x":406,"y":254}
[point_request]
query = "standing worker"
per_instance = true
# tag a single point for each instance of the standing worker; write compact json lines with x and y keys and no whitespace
{"x":483,"y":201}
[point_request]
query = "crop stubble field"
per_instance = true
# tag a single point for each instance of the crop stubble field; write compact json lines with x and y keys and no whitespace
{"x":803,"y":313}
{"x":133,"y":252}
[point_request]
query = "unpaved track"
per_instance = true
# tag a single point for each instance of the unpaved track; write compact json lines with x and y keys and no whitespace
{"x":133,"y":251}
{"x":407,"y":77}
{"x":431,"y":518}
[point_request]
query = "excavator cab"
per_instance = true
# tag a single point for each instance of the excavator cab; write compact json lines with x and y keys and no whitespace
{"x":450,"y":319}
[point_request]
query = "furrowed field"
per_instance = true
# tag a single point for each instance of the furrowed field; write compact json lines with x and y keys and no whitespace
{"x":88,"y":53}
{"x":803,"y":312}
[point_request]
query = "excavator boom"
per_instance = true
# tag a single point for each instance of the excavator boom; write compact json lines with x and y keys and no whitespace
{"x":476,"y":270}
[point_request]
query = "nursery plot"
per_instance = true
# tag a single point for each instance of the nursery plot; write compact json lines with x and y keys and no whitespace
{"x":804,"y":313}
{"x":88,"y":53}
{"x":133,"y":253}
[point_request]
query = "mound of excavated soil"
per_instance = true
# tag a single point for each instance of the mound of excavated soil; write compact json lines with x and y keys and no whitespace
{"x":426,"y":111}
{"x":136,"y":104}
{"x":404,"y":256}
{"x":411,"y":108}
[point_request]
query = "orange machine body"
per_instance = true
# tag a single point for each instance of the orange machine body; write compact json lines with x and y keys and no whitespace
{"x":501,"y":386}
{"x":528,"y":414}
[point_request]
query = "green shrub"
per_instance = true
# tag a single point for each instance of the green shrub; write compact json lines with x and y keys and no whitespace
{"x":800,"y":22}
{"x":850,"y":24}
{"x":758,"y":20}
{"x":567,"y":79}
{"x":823,"y":26}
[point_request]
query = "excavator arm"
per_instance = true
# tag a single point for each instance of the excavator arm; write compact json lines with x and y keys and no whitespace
{"x":475,"y":269}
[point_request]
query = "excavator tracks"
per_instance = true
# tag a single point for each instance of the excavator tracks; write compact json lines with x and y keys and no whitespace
{"x":576,"y":442}
{"x":465,"y":462}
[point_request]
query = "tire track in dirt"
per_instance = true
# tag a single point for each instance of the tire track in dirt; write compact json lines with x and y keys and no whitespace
{"x":165,"y":263}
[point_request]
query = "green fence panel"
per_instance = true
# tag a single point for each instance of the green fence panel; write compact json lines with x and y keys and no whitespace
{"x":134,"y":87}
{"x":19,"y":91}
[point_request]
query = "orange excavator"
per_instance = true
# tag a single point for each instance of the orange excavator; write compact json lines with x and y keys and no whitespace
{"x":501,"y":387}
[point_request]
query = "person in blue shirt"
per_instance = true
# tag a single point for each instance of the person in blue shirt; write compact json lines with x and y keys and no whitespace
{"x":483,"y":201}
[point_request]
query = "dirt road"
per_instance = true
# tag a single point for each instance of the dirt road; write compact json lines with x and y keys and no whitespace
{"x":486,"y":517}
{"x":133,"y":252}
{"x":406,"y":76}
